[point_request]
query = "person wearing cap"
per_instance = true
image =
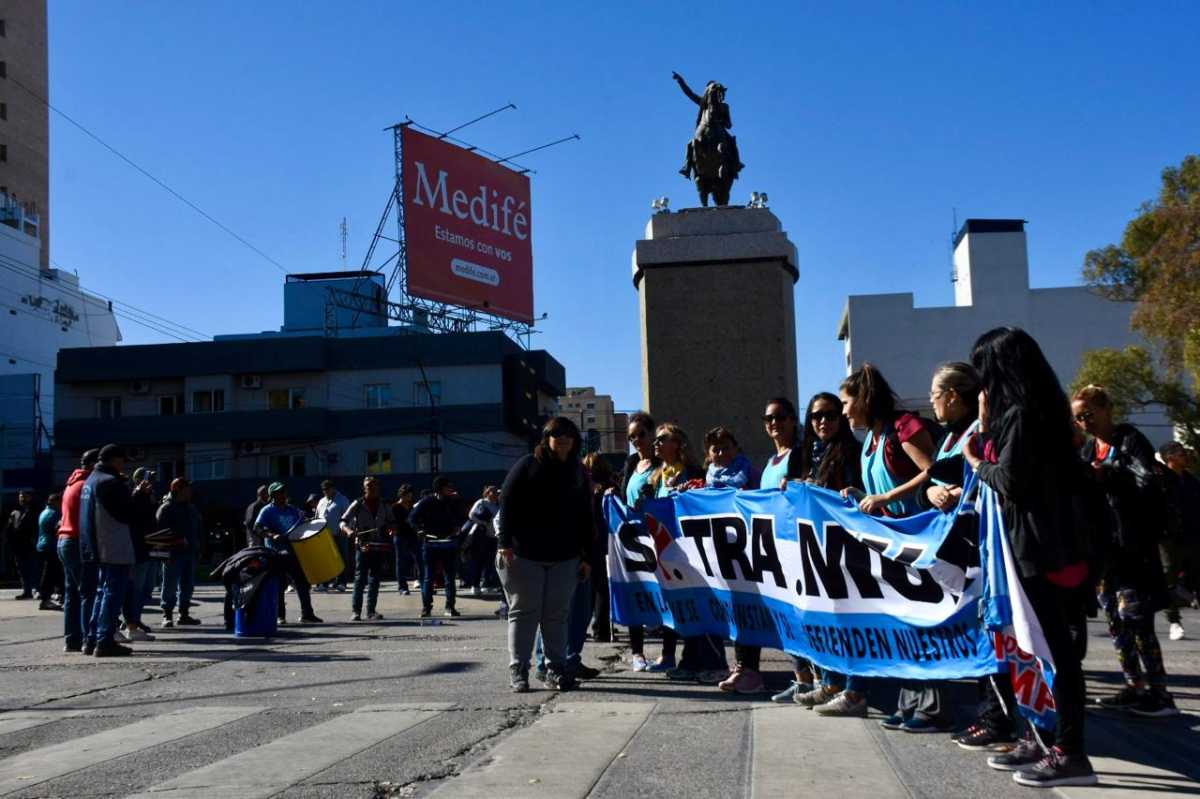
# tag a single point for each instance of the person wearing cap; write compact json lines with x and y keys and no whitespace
{"x":273,"y":524}
{"x":105,"y":511}
{"x":141,"y":576}
{"x":435,"y":518}
{"x":180,"y":516}
{"x":331,"y":507}
{"x":79,"y":579}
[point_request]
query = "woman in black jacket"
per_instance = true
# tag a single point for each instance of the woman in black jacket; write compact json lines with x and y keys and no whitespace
{"x":1132,"y":588}
{"x":544,"y":532}
{"x":1036,"y":473}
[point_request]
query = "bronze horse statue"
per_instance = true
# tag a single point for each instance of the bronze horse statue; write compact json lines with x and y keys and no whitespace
{"x":712,"y":154}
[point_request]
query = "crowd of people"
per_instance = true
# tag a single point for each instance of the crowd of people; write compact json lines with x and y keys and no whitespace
{"x":1098,"y":522}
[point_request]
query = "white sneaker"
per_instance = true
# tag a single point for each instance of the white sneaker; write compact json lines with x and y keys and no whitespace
{"x":135,"y":634}
{"x":292,"y":590}
{"x":843,"y":705}
{"x":1177,"y":631}
{"x":638,"y":662}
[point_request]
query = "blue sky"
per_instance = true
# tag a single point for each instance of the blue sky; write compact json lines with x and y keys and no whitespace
{"x":867,"y":124}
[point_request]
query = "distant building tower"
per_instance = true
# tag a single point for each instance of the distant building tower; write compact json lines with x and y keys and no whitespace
{"x":25,"y":121}
{"x":596,"y":419}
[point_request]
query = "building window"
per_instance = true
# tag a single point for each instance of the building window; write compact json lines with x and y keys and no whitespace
{"x":591,"y":406}
{"x":208,"y":401}
{"x":169,"y":470}
{"x":108,"y":407}
{"x":3,"y":69}
{"x":171,"y":405}
{"x":288,"y":466}
{"x":3,"y":152}
{"x":378,"y":395}
{"x":591,"y":420}
{"x":283,"y":399}
{"x":211,"y":467}
{"x":3,"y":29}
{"x":379,"y":461}
{"x":424,"y":390}
{"x":3,"y":110}
{"x":424,"y":461}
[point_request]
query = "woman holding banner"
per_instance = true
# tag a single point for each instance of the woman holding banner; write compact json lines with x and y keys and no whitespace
{"x":634,"y":488}
{"x":704,"y":654}
{"x":895,"y":454}
{"x":1033,"y":467}
{"x":781,"y":423}
{"x":831,"y":459}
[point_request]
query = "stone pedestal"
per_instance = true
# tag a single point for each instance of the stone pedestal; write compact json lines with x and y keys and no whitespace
{"x":718,"y":321}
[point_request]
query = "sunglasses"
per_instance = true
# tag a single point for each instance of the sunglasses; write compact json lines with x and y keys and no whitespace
{"x":662,"y":439}
{"x":775,"y":417}
{"x":825,"y":416}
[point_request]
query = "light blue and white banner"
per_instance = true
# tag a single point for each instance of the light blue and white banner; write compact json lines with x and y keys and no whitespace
{"x":805,"y":571}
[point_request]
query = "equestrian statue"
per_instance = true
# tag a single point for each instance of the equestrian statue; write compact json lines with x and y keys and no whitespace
{"x":712,"y":154}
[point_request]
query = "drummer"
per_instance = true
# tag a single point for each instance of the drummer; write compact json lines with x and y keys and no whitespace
{"x":368,"y":524}
{"x":273,"y":523}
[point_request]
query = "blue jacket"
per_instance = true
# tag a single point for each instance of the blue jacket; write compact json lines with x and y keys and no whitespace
{"x":48,"y":530}
{"x":739,"y":474}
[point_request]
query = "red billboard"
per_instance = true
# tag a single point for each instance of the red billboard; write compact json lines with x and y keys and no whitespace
{"x":467,"y":228}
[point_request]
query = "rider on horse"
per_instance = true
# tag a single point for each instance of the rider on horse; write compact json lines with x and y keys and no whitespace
{"x":712,"y":122}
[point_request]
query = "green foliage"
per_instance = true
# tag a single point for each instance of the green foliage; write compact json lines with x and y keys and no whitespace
{"x":1157,"y":266}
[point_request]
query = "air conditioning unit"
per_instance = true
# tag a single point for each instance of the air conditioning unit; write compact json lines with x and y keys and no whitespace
{"x":139,"y":387}
{"x":249,"y":448}
{"x":251,"y":381}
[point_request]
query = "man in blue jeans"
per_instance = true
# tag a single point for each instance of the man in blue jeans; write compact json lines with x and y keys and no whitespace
{"x":106,"y":509}
{"x":436,"y":520}
{"x":79,"y":580}
{"x":179,"y":573}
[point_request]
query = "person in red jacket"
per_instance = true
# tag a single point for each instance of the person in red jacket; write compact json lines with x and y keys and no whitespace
{"x":79,"y":578}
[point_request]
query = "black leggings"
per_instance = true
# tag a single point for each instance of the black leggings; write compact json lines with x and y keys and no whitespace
{"x":637,"y":642}
{"x":1060,"y":613}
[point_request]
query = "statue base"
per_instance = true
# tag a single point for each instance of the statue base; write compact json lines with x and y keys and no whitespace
{"x":718,"y":319}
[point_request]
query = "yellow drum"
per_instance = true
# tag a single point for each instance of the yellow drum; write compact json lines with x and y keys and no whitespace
{"x":317,"y":551}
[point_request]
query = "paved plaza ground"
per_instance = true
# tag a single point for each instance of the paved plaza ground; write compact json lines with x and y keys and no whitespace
{"x":394,"y":708}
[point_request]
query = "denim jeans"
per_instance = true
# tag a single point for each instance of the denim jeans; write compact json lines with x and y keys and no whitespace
{"x":141,"y":585}
{"x":178,"y":582}
{"x":28,"y":568}
{"x":79,"y":593}
{"x":112,"y":581}
{"x":368,"y":570}
{"x":431,"y":556}
{"x":405,"y":560}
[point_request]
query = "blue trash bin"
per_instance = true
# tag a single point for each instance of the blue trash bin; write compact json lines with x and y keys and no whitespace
{"x":261,"y":621}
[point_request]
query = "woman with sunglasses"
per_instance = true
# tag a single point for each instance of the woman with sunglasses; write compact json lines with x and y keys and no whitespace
{"x":921,"y":706}
{"x":1132,"y":588}
{"x":1033,"y":466}
{"x":780,"y":422}
{"x":677,"y":467}
{"x":544,"y":536}
{"x":831,"y":460}
{"x":895,"y":454}
{"x":634,"y":487}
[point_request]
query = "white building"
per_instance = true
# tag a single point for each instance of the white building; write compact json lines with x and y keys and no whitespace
{"x":43,"y":311}
{"x":991,"y":266}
